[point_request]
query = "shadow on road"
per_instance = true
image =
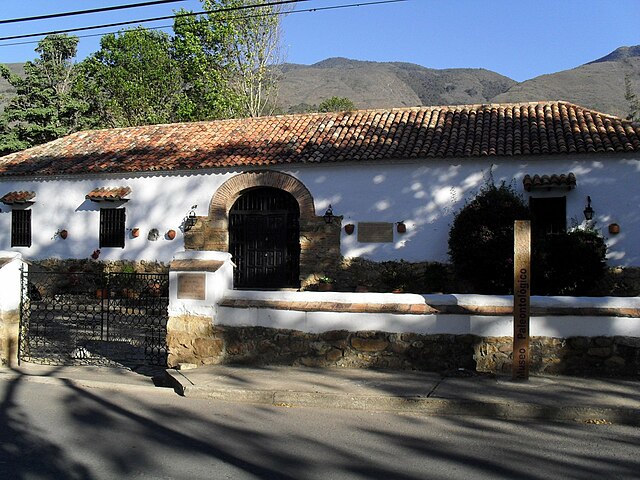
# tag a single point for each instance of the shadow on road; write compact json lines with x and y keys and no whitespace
{"x":133,"y":435}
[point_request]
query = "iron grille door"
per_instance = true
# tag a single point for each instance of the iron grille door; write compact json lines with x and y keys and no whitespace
{"x":264,"y":239}
{"x":21,"y":228}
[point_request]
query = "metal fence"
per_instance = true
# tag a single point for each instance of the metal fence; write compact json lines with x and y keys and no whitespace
{"x":94,"y":318}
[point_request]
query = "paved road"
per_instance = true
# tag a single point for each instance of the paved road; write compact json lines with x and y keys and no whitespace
{"x":64,"y":431}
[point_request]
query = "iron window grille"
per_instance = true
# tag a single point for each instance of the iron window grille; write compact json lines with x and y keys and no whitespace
{"x":21,"y":228}
{"x":112,"y":227}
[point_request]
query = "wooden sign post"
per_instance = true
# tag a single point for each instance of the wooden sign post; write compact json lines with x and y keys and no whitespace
{"x":521,"y":298}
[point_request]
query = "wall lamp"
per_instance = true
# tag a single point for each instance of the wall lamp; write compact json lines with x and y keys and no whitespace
{"x":588,"y":211}
{"x":328,"y":215}
{"x":190,"y":220}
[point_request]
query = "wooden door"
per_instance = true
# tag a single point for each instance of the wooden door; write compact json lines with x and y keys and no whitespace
{"x":264,"y":239}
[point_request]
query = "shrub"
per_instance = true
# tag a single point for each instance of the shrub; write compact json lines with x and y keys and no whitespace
{"x":570,"y":263}
{"x":481,"y":239}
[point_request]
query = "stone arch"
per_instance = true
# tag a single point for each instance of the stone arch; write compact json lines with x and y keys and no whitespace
{"x":230,"y":191}
{"x":319,"y":241}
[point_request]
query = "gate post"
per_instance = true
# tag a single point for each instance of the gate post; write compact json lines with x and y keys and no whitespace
{"x":11,"y":288}
{"x":197,"y":283}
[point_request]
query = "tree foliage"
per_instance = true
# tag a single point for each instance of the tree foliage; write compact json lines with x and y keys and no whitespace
{"x":46,"y":105}
{"x":337,"y":104}
{"x":568,"y":263}
{"x":481,"y":239}
{"x":249,"y":48}
{"x":481,"y":249}
{"x":133,"y":79}
{"x":216,"y":65}
{"x":199,"y":48}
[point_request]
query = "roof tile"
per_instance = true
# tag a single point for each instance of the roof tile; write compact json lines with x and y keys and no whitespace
{"x":537,"y":128}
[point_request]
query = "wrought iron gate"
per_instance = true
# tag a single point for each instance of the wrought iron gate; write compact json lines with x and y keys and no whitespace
{"x":264,"y":239}
{"x":94,"y":319}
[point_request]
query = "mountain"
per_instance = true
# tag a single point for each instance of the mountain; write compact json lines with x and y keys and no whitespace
{"x":6,"y":90}
{"x":599,"y":85}
{"x":385,"y":84}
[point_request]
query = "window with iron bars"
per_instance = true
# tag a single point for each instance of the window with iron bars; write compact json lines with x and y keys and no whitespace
{"x":112,"y":227}
{"x":21,"y":228}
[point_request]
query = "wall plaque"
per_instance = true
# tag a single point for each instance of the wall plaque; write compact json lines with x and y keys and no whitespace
{"x":192,"y":286}
{"x":375,"y":232}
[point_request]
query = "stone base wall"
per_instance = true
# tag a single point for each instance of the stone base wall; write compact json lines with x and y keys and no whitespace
{"x":191,"y":339}
{"x":9,"y":325}
{"x":589,"y":356}
{"x":599,"y":356}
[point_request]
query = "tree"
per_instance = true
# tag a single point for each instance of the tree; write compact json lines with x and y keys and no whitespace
{"x":337,"y":104}
{"x":632,"y":98}
{"x":481,"y":238}
{"x":133,"y":79}
{"x":198,"y":47}
{"x":46,"y":105}
{"x":246,"y":44}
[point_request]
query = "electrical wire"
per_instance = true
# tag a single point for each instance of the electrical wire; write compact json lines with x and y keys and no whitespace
{"x":83,"y":12}
{"x":130,"y":22}
{"x":307,"y":10}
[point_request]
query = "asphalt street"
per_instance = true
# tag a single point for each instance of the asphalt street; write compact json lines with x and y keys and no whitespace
{"x":67,"y":431}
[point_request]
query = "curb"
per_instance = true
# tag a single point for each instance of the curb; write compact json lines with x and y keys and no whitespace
{"x":93,"y":384}
{"x":410,"y":404}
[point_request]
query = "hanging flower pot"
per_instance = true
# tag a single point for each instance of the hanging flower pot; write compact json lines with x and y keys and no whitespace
{"x":614,"y":228}
{"x":63,"y":234}
{"x":401,"y":227}
{"x":171,"y":234}
{"x":135,"y":232}
{"x":349,"y":228}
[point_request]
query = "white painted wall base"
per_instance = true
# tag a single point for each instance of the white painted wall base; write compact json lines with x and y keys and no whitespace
{"x":560,"y":326}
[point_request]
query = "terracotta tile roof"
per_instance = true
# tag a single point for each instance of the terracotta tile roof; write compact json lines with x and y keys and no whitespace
{"x":543,"y":128}
{"x":17,"y":197}
{"x":108,"y":194}
{"x":567,"y":181}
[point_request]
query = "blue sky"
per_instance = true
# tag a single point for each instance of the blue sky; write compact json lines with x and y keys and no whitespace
{"x":517,"y":38}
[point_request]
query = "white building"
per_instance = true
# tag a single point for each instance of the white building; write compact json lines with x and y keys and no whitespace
{"x":260,"y":187}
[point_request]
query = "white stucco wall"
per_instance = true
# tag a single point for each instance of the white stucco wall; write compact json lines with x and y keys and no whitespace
{"x":423,"y":194}
{"x":10,"y":281}
{"x":558,"y":326}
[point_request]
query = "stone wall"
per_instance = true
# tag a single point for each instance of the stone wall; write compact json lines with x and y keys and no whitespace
{"x":192,"y":339}
{"x":9,"y":324}
{"x":599,"y":356}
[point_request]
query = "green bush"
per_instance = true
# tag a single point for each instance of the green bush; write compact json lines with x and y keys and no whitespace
{"x":481,"y":239}
{"x":570,"y":263}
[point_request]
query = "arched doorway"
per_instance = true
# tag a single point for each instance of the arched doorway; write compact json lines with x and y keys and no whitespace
{"x":264,"y":239}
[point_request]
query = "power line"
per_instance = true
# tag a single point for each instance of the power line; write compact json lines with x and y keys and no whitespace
{"x":93,"y":10}
{"x":306,"y":10}
{"x":130,"y":22}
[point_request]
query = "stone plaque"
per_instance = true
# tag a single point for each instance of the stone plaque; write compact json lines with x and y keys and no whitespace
{"x":521,"y":299}
{"x":192,"y":286}
{"x":375,"y":232}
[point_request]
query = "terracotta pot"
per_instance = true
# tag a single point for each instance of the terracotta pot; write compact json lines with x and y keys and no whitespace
{"x":614,"y":228}
{"x":401,"y":227}
{"x":171,"y":234}
{"x":135,"y":232}
{"x":101,"y":293}
{"x":63,"y":234}
{"x":349,"y":228}
{"x":325,"y":287}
